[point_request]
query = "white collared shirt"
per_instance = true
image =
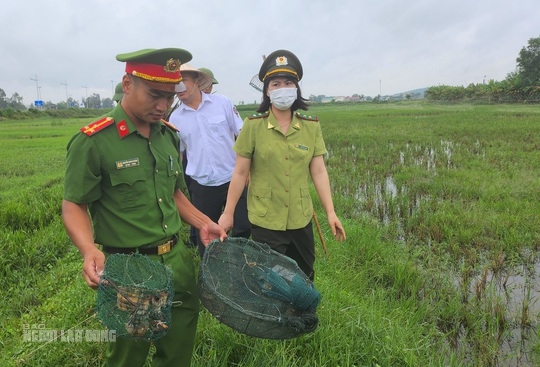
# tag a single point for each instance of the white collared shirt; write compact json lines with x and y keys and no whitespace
{"x":208,"y":134}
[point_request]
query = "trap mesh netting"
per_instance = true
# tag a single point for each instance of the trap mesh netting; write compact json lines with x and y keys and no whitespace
{"x":135,"y":297}
{"x":256,"y":290}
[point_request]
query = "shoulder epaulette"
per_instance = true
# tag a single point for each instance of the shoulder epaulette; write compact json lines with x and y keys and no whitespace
{"x":167,"y":123}
{"x":306,"y":117}
{"x":97,"y":126}
{"x":254,"y":116}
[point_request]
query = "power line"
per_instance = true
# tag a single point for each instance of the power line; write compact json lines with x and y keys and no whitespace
{"x":37,"y":86}
{"x":67,"y":102}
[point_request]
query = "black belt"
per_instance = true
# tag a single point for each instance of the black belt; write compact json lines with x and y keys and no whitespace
{"x":156,"y":250}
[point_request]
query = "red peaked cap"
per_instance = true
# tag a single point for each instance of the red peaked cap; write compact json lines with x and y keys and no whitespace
{"x":156,"y":65}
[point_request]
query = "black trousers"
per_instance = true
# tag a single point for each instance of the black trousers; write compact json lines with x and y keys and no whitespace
{"x":187,"y":179}
{"x":298,"y":244}
{"x":211,"y":200}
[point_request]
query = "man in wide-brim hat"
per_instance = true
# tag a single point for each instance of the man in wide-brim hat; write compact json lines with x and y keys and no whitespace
{"x":207,"y":126}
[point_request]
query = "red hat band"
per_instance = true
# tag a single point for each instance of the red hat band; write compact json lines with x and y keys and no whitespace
{"x":169,"y":73}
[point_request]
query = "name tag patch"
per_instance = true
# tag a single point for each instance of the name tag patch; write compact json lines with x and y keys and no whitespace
{"x":127,"y":163}
{"x":300,"y":146}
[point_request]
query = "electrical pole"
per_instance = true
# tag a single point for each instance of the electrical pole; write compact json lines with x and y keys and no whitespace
{"x":112,"y":93}
{"x":37,"y":86}
{"x":67,"y":102}
{"x":86,"y":100}
{"x":40,"y":103}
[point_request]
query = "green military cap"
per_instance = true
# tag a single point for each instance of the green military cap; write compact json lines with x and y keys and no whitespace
{"x":118,"y":93}
{"x":209,"y":72}
{"x":281,"y":63}
{"x":156,"y":65}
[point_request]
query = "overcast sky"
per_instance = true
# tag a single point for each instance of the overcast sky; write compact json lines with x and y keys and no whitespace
{"x":345,"y":46}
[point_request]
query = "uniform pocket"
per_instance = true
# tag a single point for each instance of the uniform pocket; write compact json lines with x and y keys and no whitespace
{"x":173,"y":168}
{"x":218,"y":127}
{"x":130,"y":187}
{"x":259,"y":200}
{"x":307,"y":203}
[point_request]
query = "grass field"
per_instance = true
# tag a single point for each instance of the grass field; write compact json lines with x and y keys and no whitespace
{"x":441,"y":204}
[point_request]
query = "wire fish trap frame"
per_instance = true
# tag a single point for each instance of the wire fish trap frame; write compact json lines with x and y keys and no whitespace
{"x":135,"y":297}
{"x":257,"y":291}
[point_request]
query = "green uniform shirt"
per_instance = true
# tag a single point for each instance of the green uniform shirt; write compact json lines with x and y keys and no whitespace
{"x":278,"y":193}
{"x":127,"y":180}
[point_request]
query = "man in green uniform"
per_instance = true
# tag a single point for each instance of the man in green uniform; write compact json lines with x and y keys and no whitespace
{"x":118,"y":93}
{"x":122,"y":195}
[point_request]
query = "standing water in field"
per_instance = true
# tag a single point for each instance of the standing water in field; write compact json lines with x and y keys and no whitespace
{"x":424,"y":195}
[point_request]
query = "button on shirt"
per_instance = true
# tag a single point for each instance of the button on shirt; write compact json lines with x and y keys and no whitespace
{"x":127,"y":180}
{"x":208,"y":135}
{"x":278,"y":193}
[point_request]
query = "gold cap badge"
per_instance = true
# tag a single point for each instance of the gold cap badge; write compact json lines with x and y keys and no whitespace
{"x":281,"y":61}
{"x":172,"y":66}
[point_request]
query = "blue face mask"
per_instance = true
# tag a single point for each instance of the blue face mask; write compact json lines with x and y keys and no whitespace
{"x":283,"y":98}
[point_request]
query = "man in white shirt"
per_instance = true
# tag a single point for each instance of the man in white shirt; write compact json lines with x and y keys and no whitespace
{"x":208,"y":125}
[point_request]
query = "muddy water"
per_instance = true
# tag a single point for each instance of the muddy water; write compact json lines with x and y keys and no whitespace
{"x":515,"y":288}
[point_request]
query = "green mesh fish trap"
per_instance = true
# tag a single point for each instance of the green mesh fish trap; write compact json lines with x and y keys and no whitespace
{"x":135,"y":297}
{"x":257,"y":291}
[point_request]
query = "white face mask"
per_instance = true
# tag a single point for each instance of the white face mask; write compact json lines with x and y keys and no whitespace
{"x":283,"y":98}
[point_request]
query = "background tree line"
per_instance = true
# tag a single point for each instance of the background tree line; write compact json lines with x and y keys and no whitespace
{"x":15,"y":102}
{"x":521,"y":85}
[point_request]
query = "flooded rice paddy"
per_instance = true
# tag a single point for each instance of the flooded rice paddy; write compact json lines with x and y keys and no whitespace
{"x":427,"y":197}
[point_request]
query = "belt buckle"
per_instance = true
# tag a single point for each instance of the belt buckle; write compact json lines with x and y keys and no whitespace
{"x":163,"y":249}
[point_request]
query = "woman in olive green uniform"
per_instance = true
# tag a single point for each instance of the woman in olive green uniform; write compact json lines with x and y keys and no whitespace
{"x":122,"y":191}
{"x":279,"y":150}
